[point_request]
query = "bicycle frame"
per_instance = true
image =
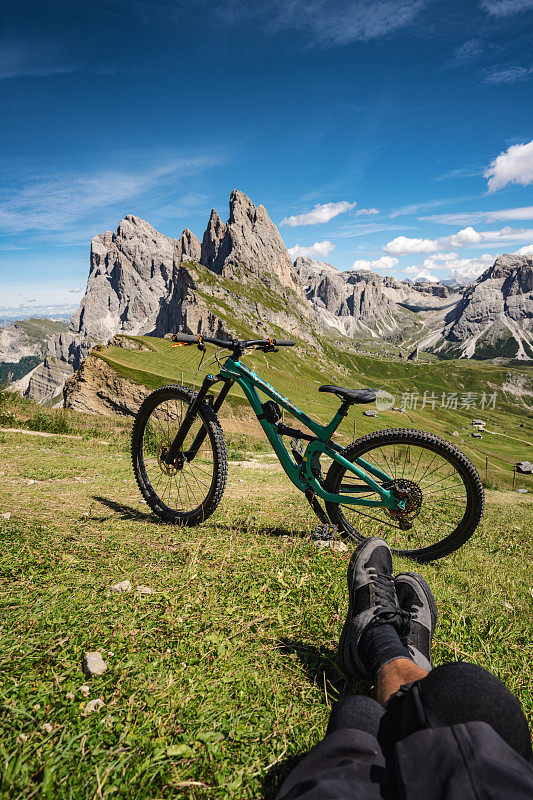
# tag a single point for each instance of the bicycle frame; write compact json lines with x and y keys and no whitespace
{"x":301,"y":475}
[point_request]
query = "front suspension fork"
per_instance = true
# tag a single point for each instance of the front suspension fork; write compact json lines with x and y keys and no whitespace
{"x":176,"y":446}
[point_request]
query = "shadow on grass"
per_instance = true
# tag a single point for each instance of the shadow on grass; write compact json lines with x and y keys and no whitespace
{"x":127,"y":512}
{"x":279,"y":530}
{"x":320,"y":666}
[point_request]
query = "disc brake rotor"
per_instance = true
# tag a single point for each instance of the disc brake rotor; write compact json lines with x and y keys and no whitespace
{"x":169,"y":469}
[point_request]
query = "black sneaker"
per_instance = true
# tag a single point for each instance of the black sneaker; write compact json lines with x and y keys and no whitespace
{"x":416,"y":598}
{"x":373,"y":601}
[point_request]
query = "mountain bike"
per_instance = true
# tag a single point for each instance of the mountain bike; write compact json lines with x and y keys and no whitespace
{"x":411,"y":487}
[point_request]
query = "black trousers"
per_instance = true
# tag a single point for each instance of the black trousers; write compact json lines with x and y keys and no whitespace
{"x":456,"y":734}
{"x":450,"y":694}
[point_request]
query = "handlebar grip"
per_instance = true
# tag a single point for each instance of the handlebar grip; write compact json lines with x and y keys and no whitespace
{"x":284,"y":343}
{"x":184,"y":337}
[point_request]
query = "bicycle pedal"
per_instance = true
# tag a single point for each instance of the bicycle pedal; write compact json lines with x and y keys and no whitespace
{"x":323,"y":532}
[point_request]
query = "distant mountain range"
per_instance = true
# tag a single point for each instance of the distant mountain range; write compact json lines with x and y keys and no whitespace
{"x":241,"y":281}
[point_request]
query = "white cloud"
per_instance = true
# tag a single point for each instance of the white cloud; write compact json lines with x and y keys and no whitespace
{"x":467,"y":237}
{"x":385,"y":262}
{"x":54,"y":202}
{"x":505,"y":8}
{"x":435,"y":261}
{"x":322,"y":212}
{"x":463,"y":238}
{"x":344,"y":21}
{"x":402,"y":245}
{"x":468,"y":269}
{"x":524,"y":212}
{"x":510,"y":73}
{"x":75,"y":290}
{"x":317,"y":250}
{"x":524,"y":251}
{"x":469,"y":51}
{"x":514,"y":165}
{"x":462,"y":270}
{"x":471,"y":237}
{"x":367,"y":212}
{"x":421,"y":274}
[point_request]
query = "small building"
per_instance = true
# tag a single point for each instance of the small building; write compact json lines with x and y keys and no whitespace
{"x":480,"y":422}
{"x":477,"y":435}
{"x":370,"y":413}
{"x":525,"y":467}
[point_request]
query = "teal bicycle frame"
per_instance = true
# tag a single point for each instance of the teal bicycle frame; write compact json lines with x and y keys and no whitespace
{"x":302,"y":475}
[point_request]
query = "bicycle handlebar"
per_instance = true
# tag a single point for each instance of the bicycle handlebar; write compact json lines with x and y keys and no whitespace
{"x":232,"y":344}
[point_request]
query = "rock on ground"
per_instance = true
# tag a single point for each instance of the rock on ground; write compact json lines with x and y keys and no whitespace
{"x":93,"y":664}
{"x":123,"y":586}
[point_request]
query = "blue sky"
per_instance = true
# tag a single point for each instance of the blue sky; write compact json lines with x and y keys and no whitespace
{"x":393,"y":134}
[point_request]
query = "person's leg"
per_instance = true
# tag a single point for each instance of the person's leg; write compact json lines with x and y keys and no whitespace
{"x":450,"y":694}
{"x":457,"y":693}
{"x":356,"y":711}
{"x":370,"y":637}
{"x":393,"y":676}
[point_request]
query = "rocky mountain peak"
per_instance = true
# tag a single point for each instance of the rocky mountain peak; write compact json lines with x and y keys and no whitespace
{"x":495,"y":315}
{"x":130,"y":271}
{"x":506,"y":265}
{"x":252,"y":245}
{"x":188,"y":247}
{"x":213,"y":236}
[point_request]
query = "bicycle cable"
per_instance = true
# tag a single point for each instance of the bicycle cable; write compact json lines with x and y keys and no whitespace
{"x":211,"y":359}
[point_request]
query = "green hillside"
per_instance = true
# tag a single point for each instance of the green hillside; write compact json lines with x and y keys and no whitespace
{"x":298,"y":373}
{"x":38,"y":328}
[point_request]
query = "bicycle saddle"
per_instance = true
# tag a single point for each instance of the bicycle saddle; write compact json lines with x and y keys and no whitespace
{"x":351,"y":395}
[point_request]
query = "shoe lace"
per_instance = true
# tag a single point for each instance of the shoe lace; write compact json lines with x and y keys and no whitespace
{"x":388,"y":609}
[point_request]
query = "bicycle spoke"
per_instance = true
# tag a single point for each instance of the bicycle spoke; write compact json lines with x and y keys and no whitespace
{"x":184,"y":487}
{"x":429,"y":476}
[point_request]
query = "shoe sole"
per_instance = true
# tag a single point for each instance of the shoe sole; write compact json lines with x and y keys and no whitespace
{"x":429,"y":597}
{"x":340,"y":657}
{"x":434,"y":614}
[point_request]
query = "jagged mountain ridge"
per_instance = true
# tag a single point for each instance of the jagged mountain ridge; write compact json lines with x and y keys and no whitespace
{"x":240,"y":281}
{"x":142,"y":282}
{"x":240,"y":276}
{"x":494,"y":317}
{"x":362,"y":304}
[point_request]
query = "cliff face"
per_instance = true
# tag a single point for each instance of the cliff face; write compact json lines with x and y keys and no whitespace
{"x":250,"y":245}
{"x":362,"y":303}
{"x":64,"y":355}
{"x":97,"y":389}
{"x":495,"y":315}
{"x":131,"y":274}
{"x":142,"y":282}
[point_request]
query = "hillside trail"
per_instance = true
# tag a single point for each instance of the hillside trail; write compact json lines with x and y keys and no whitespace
{"x":511,"y":437}
{"x":46,"y":434}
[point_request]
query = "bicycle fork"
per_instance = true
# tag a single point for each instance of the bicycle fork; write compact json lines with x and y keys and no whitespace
{"x":174,"y":450}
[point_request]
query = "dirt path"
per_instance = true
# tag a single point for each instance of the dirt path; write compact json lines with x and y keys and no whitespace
{"x":510,"y":437}
{"x":46,"y":434}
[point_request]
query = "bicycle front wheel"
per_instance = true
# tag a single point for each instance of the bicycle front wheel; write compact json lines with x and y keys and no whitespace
{"x":442,"y":489}
{"x":188,"y":491}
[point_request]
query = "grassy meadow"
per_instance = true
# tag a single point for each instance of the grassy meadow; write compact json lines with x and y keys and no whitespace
{"x":222,"y":676}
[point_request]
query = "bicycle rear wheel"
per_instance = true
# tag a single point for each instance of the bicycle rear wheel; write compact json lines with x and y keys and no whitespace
{"x":442,"y":488}
{"x":188,"y":491}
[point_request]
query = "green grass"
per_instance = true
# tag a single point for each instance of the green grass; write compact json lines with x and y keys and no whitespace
{"x":219,"y":680}
{"x":39,"y":328}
